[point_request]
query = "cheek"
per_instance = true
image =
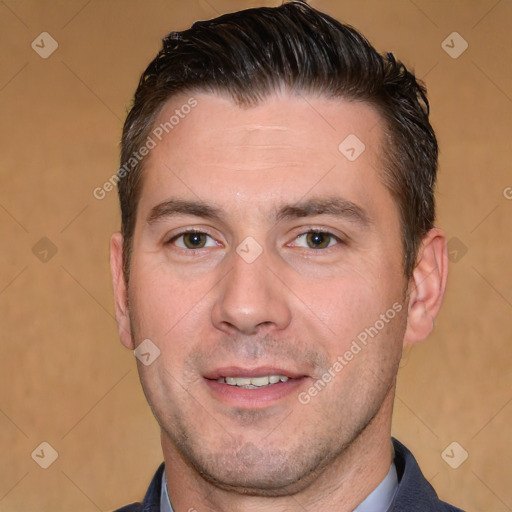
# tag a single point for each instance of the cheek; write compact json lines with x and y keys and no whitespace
{"x":346,"y":303}
{"x":162,"y":300}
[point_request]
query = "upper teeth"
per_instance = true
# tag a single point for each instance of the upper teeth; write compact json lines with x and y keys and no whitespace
{"x":254,"y":381}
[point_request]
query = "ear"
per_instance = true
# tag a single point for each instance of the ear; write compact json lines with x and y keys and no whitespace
{"x":427,"y":286}
{"x":120,"y":291}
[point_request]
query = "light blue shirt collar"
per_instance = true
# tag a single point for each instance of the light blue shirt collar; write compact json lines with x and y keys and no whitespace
{"x":382,"y":496}
{"x":165,"y":502}
{"x":378,"y":501}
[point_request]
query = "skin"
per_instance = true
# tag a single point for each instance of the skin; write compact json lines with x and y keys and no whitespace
{"x":295,"y":307}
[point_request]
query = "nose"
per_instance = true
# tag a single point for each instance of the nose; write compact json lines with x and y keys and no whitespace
{"x":251,"y":299}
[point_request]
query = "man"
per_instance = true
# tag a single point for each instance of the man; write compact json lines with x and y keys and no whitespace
{"x":277,"y":251}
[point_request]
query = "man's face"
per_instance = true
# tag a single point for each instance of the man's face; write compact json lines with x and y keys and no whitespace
{"x":261,"y":251}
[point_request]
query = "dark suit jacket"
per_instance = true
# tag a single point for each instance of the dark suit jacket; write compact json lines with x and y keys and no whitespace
{"x":414,"y":493}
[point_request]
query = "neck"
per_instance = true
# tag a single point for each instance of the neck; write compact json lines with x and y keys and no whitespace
{"x":342,"y":485}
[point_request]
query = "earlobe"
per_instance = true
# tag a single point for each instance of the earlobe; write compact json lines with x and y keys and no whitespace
{"x":427,"y":286}
{"x":120,"y":291}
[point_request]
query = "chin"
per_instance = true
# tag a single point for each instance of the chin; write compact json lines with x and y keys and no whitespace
{"x":252,"y":472}
{"x":261,"y":481}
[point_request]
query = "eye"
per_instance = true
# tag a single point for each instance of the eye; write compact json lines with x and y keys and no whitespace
{"x":193,"y":240}
{"x":316,"y":240}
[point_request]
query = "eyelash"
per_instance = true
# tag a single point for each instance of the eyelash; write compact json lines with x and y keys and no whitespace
{"x":189,"y":231}
{"x":331,"y":236}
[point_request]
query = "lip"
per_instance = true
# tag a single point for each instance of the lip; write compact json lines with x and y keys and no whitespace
{"x":258,"y":398}
{"x":260,"y":371}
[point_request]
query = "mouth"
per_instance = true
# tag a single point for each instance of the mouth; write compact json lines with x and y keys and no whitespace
{"x":254,"y":388}
{"x":253,"y":382}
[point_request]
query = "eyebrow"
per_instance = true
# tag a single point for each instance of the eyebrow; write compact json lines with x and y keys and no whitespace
{"x":333,"y":206}
{"x":172,"y":207}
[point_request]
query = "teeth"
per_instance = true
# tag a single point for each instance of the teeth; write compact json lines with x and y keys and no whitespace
{"x":252,"y":383}
{"x":260,"y":381}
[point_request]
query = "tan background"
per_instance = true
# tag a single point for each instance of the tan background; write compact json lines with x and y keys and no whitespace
{"x":64,"y":377}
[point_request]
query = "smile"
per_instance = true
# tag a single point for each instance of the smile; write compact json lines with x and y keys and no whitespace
{"x":253,"y":382}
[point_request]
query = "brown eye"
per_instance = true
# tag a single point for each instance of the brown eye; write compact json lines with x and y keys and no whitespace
{"x":194,"y":240}
{"x":318,"y":240}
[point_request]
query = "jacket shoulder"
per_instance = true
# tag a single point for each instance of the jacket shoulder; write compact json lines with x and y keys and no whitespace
{"x":414,"y":493}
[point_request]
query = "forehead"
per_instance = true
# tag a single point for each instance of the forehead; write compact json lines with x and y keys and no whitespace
{"x":278,"y":150}
{"x":292,"y":124}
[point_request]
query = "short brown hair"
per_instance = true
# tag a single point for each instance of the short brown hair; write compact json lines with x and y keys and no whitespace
{"x":250,"y":54}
